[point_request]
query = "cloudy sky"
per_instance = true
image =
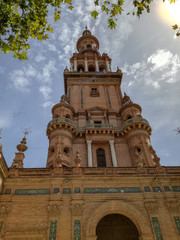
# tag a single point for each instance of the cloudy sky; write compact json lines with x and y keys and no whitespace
{"x":146,"y":50}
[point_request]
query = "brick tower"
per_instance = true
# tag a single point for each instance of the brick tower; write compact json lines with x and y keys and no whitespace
{"x":94,"y":118}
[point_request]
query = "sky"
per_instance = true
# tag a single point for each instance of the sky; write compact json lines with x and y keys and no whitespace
{"x":145,"y":49}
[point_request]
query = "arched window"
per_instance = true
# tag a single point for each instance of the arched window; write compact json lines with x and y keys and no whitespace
{"x":102,"y":68}
{"x":101,"y":159}
{"x":129,"y":117}
{"x":80,"y":68}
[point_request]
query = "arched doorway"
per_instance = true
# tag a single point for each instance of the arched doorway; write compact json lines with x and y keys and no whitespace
{"x":116,"y":227}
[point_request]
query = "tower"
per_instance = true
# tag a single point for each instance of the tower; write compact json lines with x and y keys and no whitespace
{"x":95,"y":118}
{"x":103,"y":179}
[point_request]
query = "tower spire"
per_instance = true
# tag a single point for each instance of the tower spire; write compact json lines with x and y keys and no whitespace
{"x":19,"y":156}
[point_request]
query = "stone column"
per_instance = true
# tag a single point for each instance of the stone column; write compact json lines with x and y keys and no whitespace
{"x":89,"y":153}
{"x":75,"y":65}
{"x":113,"y":154}
{"x":97,"y":66}
{"x":107,"y":66}
{"x":86,"y":65}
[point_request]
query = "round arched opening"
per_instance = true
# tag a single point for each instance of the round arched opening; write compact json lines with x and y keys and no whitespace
{"x":116,"y":227}
{"x":80,"y":68}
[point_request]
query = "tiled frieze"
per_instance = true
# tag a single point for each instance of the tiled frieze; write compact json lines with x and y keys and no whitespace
{"x":77,"y":230}
{"x":176,"y":188}
{"x":31,"y":191}
{"x":113,"y":190}
{"x":66,"y":190}
{"x":157,"y":229}
{"x":7,"y":191}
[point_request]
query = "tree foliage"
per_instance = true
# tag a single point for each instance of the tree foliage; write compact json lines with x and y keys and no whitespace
{"x":21,"y":20}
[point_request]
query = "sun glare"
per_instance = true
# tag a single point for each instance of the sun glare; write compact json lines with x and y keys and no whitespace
{"x":171,"y":11}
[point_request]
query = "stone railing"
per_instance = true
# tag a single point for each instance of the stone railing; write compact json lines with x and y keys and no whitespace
{"x":98,"y":126}
{"x":131,"y":121}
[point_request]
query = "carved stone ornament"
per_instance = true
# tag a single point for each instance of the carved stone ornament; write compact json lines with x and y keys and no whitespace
{"x":156,"y":159}
{"x":155,"y":182}
{"x":54,"y":209}
{"x":77,"y":159}
{"x":161,"y":170}
{"x":4,"y":210}
{"x":151,"y":206}
{"x":173,"y":205}
{"x":77,"y":209}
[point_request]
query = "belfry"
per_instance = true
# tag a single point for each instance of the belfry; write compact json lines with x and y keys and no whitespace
{"x":103,"y":179}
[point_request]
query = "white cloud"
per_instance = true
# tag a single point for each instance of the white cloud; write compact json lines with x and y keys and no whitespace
{"x":30,"y":71}
{"x":19,"y":80}
{"x":47,"y":70}
{"x":160,"y":67}
{"x":39,"y":58}
{"x":47,"y":104}
{"x":45,"y":91}
{"x":160,"y":59}
{"x":52,"y":47}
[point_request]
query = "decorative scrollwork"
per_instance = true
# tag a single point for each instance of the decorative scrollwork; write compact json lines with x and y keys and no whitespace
{"x":77,"y":209}
{"x":54,"y":209}
{"x":4,"y":210}
{"x":173,"y":205}
{"x":151,"y":206}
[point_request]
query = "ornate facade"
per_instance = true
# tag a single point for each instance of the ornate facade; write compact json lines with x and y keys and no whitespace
{"x":103,"y":179}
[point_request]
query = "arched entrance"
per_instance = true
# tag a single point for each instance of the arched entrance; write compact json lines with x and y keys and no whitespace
{"x":121,"y":208}
{"x":116,"y":227}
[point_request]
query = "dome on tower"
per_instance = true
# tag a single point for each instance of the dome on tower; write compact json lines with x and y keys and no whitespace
{"x":87,"y":42}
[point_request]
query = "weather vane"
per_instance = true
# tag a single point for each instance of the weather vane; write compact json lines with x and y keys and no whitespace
{"x":27,"y":131}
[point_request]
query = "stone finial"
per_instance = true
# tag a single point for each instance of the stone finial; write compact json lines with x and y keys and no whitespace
{"x":126,"y":99}
{"x":66,"y":69}
{"x":22,"y":146}
{"x":64,"y":99}
{"x":77,"y":159}
{"x":118,"y":69}
{"x":19,"y":157}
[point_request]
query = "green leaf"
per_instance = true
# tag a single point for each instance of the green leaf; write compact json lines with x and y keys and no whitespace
{"x":175,"y":27}
{"x":94,"y":14}
{"x":112,"y":24}
{"x":71,"y":7}
{"x":96,"y":3}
